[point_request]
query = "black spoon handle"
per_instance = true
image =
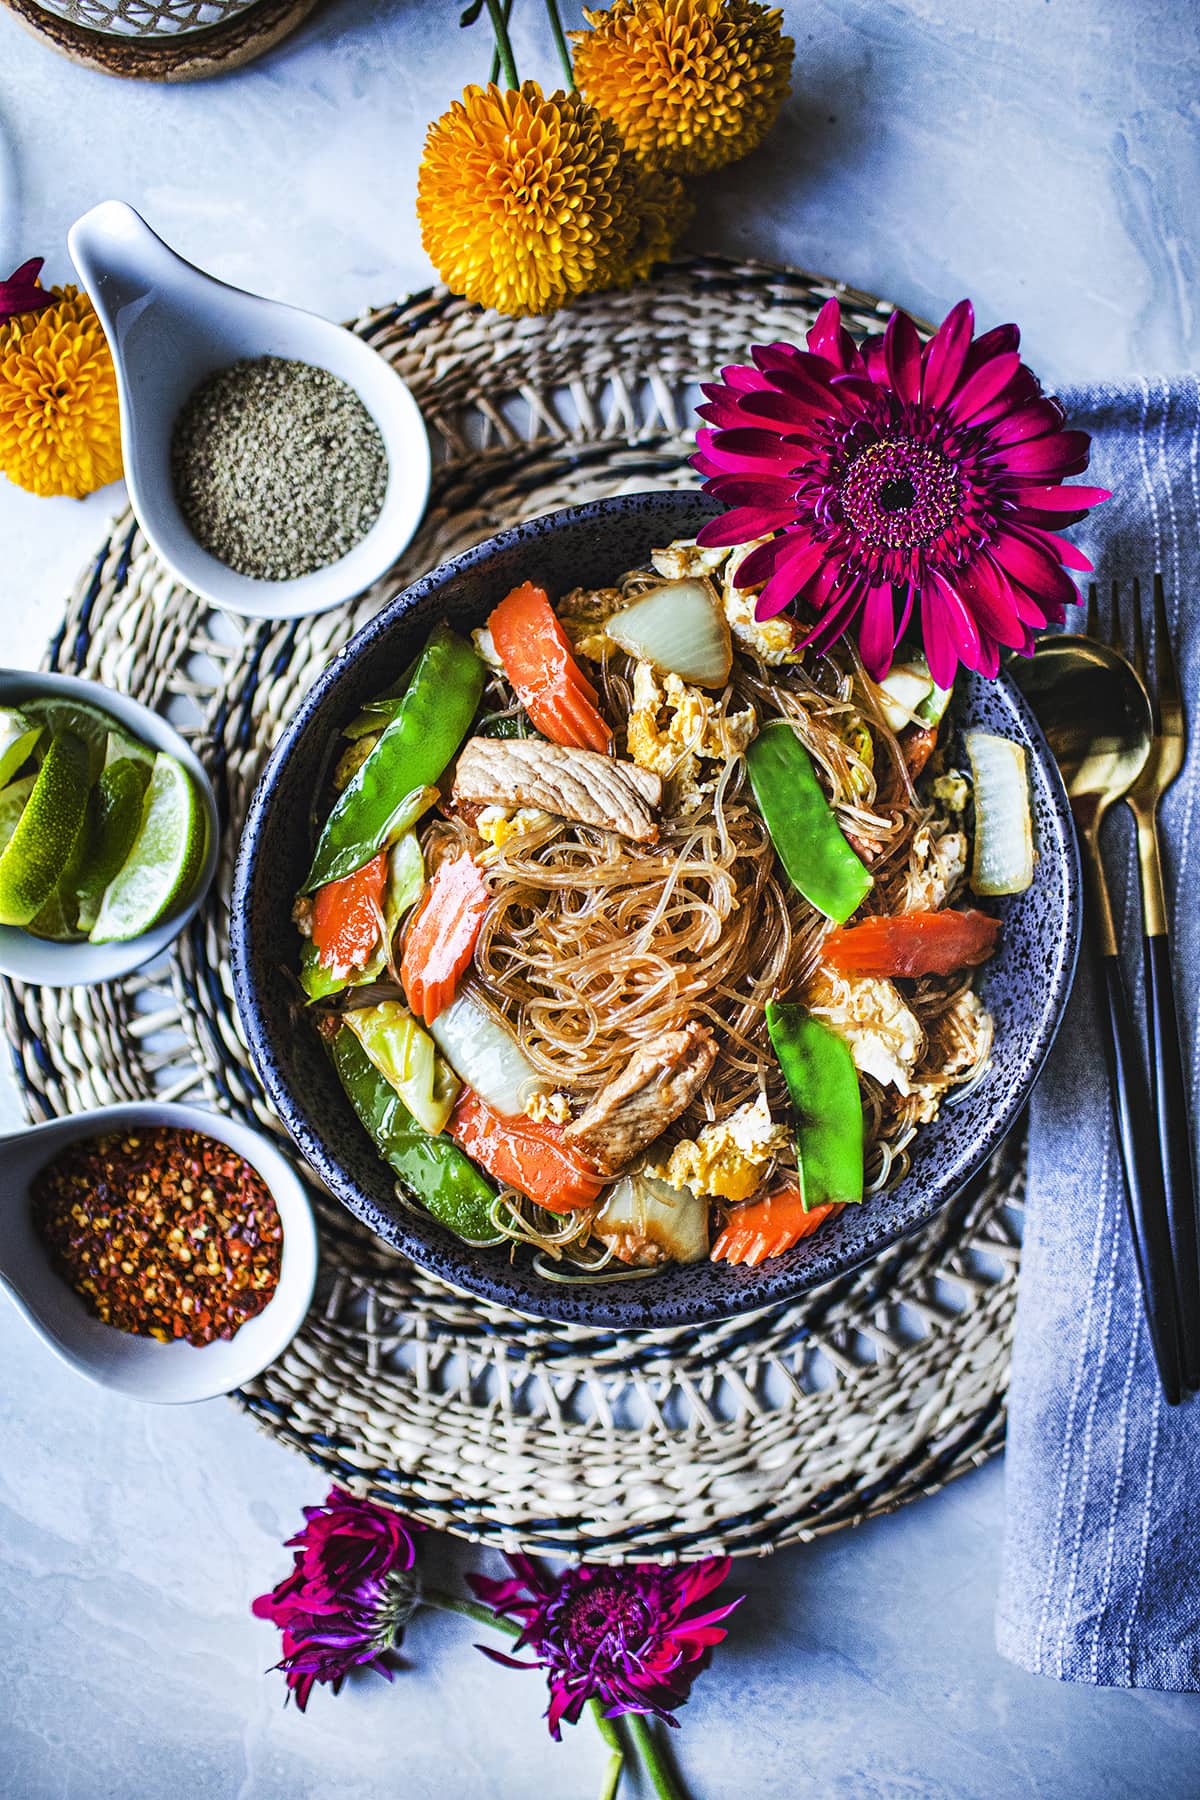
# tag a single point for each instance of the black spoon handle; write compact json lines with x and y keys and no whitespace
{"x":1169,"y":1091}
{"x":1137,"y":1134}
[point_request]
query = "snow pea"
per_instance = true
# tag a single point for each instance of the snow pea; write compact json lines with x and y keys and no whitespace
{"x":823,"y":1084}
{"x":433,"y":717}
{"x":440,"y":1175}
{"x":804,"y":830}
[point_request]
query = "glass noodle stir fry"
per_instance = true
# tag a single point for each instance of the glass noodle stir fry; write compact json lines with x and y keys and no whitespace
{"x":637,"y":936}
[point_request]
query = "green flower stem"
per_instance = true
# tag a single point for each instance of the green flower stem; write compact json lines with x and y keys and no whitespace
{"x":470,"y":1609}
{"x":495,"y":74}
{"x":616,"y":1759}
{"x":504,"y":50}
{"x":653,"y":1760}
{"x":560,"y":42}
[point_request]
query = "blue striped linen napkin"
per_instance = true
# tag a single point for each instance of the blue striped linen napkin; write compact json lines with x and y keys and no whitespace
{"x":1101,"y":1578}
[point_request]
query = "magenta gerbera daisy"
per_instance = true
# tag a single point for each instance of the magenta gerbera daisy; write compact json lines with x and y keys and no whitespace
{"x":351,"y":1592}
{"x":622,"y":1636}
{"x":896,"y":484}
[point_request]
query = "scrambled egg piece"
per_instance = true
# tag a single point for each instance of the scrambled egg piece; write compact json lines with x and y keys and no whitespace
{"x":937,"y":864}
{"x":583,"y":614}
{"x":775,"y":639}
{"x":496,"y":825}
{"x":673,"y":727}
{"x":685,"y":557}
{"x":961,"y":1039}
{"x":553,"y":1108}
{"x":953,"y":790}
{"x":730,"y":1158}
{"x":885,"y":1037}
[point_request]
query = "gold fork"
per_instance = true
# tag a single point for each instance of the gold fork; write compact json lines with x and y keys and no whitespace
{"x":1168,"y":1086}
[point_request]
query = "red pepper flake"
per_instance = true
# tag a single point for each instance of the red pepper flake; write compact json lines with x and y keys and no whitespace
{"x":163,"y":1233}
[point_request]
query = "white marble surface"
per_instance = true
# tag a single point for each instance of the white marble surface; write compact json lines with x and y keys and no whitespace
{"x":1042,"y":155}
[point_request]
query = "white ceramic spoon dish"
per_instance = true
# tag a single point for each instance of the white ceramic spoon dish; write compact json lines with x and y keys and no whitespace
{"x":169,"y":325}
{"x":142,"y":1367}
{"x":49,"y":964}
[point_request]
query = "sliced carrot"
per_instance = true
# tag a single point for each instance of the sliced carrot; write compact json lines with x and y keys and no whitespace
{"x":348,"y":916}
{"x":768,"y":1227}
{"x":529,"y":1157}
{"x":441,"y":938}
{"x":540,"y":664}
{"x":916,"y":943}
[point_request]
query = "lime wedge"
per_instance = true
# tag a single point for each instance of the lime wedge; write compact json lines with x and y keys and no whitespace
{"x":165,"y":859}
{"x":19,"y":738}
{"x":57,"y":919}
{"x":114,"y":816}
{"x":12,"y":805}
{"x":46,"y":832}
{"x":104,"y":738}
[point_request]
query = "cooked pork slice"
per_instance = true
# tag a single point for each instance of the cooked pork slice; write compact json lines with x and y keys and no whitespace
{"x":637,"y":1105}
{"x":572,"y":784}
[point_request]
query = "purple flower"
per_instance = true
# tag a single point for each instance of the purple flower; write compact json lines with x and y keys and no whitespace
{"x":349,"y":1596}
{"x":895,"y":482}
{"x":623,"y":1636}
{"x":22,"y":292}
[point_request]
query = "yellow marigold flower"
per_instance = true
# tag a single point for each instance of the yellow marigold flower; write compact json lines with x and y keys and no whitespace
{"x":690,"y":84}
{"x":526,"y":199}
{"x":60,"y":431}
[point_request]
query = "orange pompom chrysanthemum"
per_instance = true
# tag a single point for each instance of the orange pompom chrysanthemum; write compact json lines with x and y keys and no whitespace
{"x":527,"y":199}
{"x":690,"y":84}
{"x":666,"y":208}
{"x":60,"y":429}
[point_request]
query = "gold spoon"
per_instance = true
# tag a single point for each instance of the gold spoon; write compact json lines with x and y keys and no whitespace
{"x":1098,"y":721}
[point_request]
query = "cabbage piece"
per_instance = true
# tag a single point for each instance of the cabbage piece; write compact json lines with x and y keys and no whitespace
{"x":1003,"y":857}
{"x":483,"y":1052}
{"x":406,"y":879}
{"x":405,"y":1056}
{"x":902,"y":691}
{"x":642,"y":1206}
{"x":679,"y":628}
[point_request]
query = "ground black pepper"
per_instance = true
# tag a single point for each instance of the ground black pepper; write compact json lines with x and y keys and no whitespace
{"x":164,"y":1233}
{"x":278,"y":467}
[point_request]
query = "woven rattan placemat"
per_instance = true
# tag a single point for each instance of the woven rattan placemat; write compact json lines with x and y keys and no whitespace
{"x":744,"y":1435}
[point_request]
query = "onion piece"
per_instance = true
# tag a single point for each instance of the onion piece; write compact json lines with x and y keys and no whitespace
{"x":482,"y":1050}
{"x":679,"y":628}
{"x":642,"y":1206}
{"x":1003,"y":857}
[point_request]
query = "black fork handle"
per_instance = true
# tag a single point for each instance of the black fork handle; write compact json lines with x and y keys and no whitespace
{"x":1168,"y":1087}
{"x":1137,"y":1132}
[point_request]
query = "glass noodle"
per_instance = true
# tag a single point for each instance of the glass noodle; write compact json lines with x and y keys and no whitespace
{"x":593,"y":944}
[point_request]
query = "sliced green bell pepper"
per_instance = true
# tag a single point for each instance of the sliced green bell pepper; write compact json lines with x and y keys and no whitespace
{"x":823,"y":1084}
{"x":433,"y":717}
{"x":804,"y":830}
{"x":437,"y":1173}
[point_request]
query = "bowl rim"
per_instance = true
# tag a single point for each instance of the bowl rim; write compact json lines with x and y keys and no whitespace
{"x":514,"y":1286}
{"x":276,"y":1326}
{"x":41,"y":961}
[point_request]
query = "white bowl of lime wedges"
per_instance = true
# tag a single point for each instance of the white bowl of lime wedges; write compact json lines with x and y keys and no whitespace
{"x":108,"y":831}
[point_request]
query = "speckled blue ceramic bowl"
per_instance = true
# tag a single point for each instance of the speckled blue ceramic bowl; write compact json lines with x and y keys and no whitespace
{"x":1026,"y":985}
